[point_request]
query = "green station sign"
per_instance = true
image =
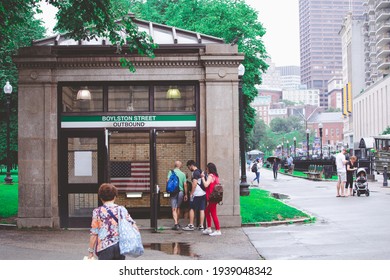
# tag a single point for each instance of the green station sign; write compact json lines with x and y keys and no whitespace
{"x":123,"y":121}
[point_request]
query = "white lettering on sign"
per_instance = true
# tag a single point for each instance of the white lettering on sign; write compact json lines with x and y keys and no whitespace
{"x":117,"y":118}
{"x":128,"y":124}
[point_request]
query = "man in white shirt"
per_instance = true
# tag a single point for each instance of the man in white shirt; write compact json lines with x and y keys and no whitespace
{"x":341,"y":171}
{"x":197,"y":196}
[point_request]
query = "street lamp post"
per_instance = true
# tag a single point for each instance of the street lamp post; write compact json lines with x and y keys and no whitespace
{"x":8,"y":91}
{"x":282,"y":149}
{"x":320,"y":129}
{"x":307,"y":141}
{"x":288,"y":148}
{"x":244,"y":186}
{"x":295,"y":146}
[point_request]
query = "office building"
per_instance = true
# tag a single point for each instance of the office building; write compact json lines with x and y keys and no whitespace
{"x":371,"y":106}
{"x":320,"y":43}
{"x":290,"y":77}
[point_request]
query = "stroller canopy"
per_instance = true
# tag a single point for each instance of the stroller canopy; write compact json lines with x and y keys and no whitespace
{"x":361,"y":171}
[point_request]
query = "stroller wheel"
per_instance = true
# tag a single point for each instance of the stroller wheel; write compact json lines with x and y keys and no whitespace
{"x":367,"y":193}
{"x":358,"y":193}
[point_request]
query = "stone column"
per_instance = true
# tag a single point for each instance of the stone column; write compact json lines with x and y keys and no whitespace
{"x":37,"y":134}
{"x":222,"y":130}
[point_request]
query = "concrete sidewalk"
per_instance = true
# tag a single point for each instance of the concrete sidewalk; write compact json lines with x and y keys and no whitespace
{"x":167,"y":244}
{"x":350,"y":228}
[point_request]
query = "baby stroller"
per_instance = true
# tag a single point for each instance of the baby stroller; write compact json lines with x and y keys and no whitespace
{"x":361,"y":185}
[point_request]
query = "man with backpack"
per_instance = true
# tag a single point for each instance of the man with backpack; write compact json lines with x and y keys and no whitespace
{"x":197,"y":196}
{"x":177,"y":196}
{"x":256,"y":169}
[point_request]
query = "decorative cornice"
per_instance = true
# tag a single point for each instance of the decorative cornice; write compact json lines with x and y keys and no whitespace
{"x":116,"y":64}
{"x":106,"y":64}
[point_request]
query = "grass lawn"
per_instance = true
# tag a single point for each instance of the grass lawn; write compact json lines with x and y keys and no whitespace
{"x":303,"y":175}
{"x":8,"y":200}
{"x":259,"y":206}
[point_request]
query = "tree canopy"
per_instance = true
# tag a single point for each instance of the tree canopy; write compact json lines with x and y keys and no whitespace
{"x":233,"y":20}
{"x":18,"y":28}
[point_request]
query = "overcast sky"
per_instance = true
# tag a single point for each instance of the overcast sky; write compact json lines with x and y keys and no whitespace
{"x":279,"y":17}
{"x":281,"y":21}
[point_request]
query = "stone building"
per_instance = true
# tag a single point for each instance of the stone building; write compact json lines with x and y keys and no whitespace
{"x":85,"y":120}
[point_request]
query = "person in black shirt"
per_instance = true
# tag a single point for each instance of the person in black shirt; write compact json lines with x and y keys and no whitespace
{"x":351,"y":168}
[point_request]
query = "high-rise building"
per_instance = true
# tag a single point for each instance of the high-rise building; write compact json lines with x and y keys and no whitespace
{"x":290,"y":77}
{"x":320,"y":43}
{"x":352,"y":40}
{"x":376,"y":38}
{"x":271,"y":78}
{"x":371,"y":114}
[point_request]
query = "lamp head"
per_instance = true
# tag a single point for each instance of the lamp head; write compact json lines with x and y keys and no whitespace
{"x":173,"y":93}
{"x":84,"y":94}
{"x":307,"y":131}
{"x":320,"y":126}
{"x":7,"y":88}
{"x":241,"y":70}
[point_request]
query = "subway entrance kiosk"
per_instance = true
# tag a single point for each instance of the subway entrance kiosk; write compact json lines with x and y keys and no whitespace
{"x":84,"y":120}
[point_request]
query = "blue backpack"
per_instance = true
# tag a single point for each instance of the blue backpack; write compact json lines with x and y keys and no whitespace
{"x":173,"y":184}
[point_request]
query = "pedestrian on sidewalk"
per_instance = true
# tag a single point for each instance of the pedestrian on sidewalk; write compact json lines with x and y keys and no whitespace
{"x":197,"y":196}
{"x":177,"y":199}
{"x":211,"y":208}
{"x":275,"y":168}
{"x":341,"y":172}
{"x":256,"y":169}
{"x":104,"y":238}
{"x":351,"y":168}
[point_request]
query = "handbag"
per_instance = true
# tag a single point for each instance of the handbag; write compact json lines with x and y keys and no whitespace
{"x":130,"y":242}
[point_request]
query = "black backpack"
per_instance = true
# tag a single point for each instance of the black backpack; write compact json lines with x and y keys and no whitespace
{"x":217,"y":194}
{"x":200,"y":182}
{"x":254,"y":167}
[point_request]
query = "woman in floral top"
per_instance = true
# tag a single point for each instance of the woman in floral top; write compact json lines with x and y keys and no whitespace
{"x":104,"y":238}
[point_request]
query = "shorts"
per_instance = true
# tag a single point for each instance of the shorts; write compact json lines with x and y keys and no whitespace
{"x":111,"y":253}
{"x":342,"y":176}
{"x":177,"y":200}
{"x":199,"y":203}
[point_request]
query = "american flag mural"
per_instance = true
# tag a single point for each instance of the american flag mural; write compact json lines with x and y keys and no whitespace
{"x":131,"y":176}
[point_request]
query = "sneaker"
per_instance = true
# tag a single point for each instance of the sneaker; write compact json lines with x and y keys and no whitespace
{"x":207,"y":231}
{"x":201,"y":228}
{"x":176,"y":227}
{"x":189,"y":227}
{"x":216,"y":233}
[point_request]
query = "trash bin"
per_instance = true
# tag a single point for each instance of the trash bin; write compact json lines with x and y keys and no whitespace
{"x":328,"y":171}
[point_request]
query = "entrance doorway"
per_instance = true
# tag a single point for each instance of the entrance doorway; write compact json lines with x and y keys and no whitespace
{"x":82,"y":167}
{"x":135,"y":161}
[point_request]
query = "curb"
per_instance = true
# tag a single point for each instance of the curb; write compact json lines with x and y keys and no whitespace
{"x":8,"y":226}
{"x":277,"y":223}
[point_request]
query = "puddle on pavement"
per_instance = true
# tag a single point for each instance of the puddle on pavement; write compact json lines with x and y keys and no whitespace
{"x":280,"y":196}
{"x":174,"y":248}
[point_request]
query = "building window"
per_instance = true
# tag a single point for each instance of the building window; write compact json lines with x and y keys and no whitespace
{"x":128,"y":98}
{"x":182,"y":99}
{"x":71,"y":102}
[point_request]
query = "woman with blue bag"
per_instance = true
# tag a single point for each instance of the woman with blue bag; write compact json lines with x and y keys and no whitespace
{"x":113,"y":233}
